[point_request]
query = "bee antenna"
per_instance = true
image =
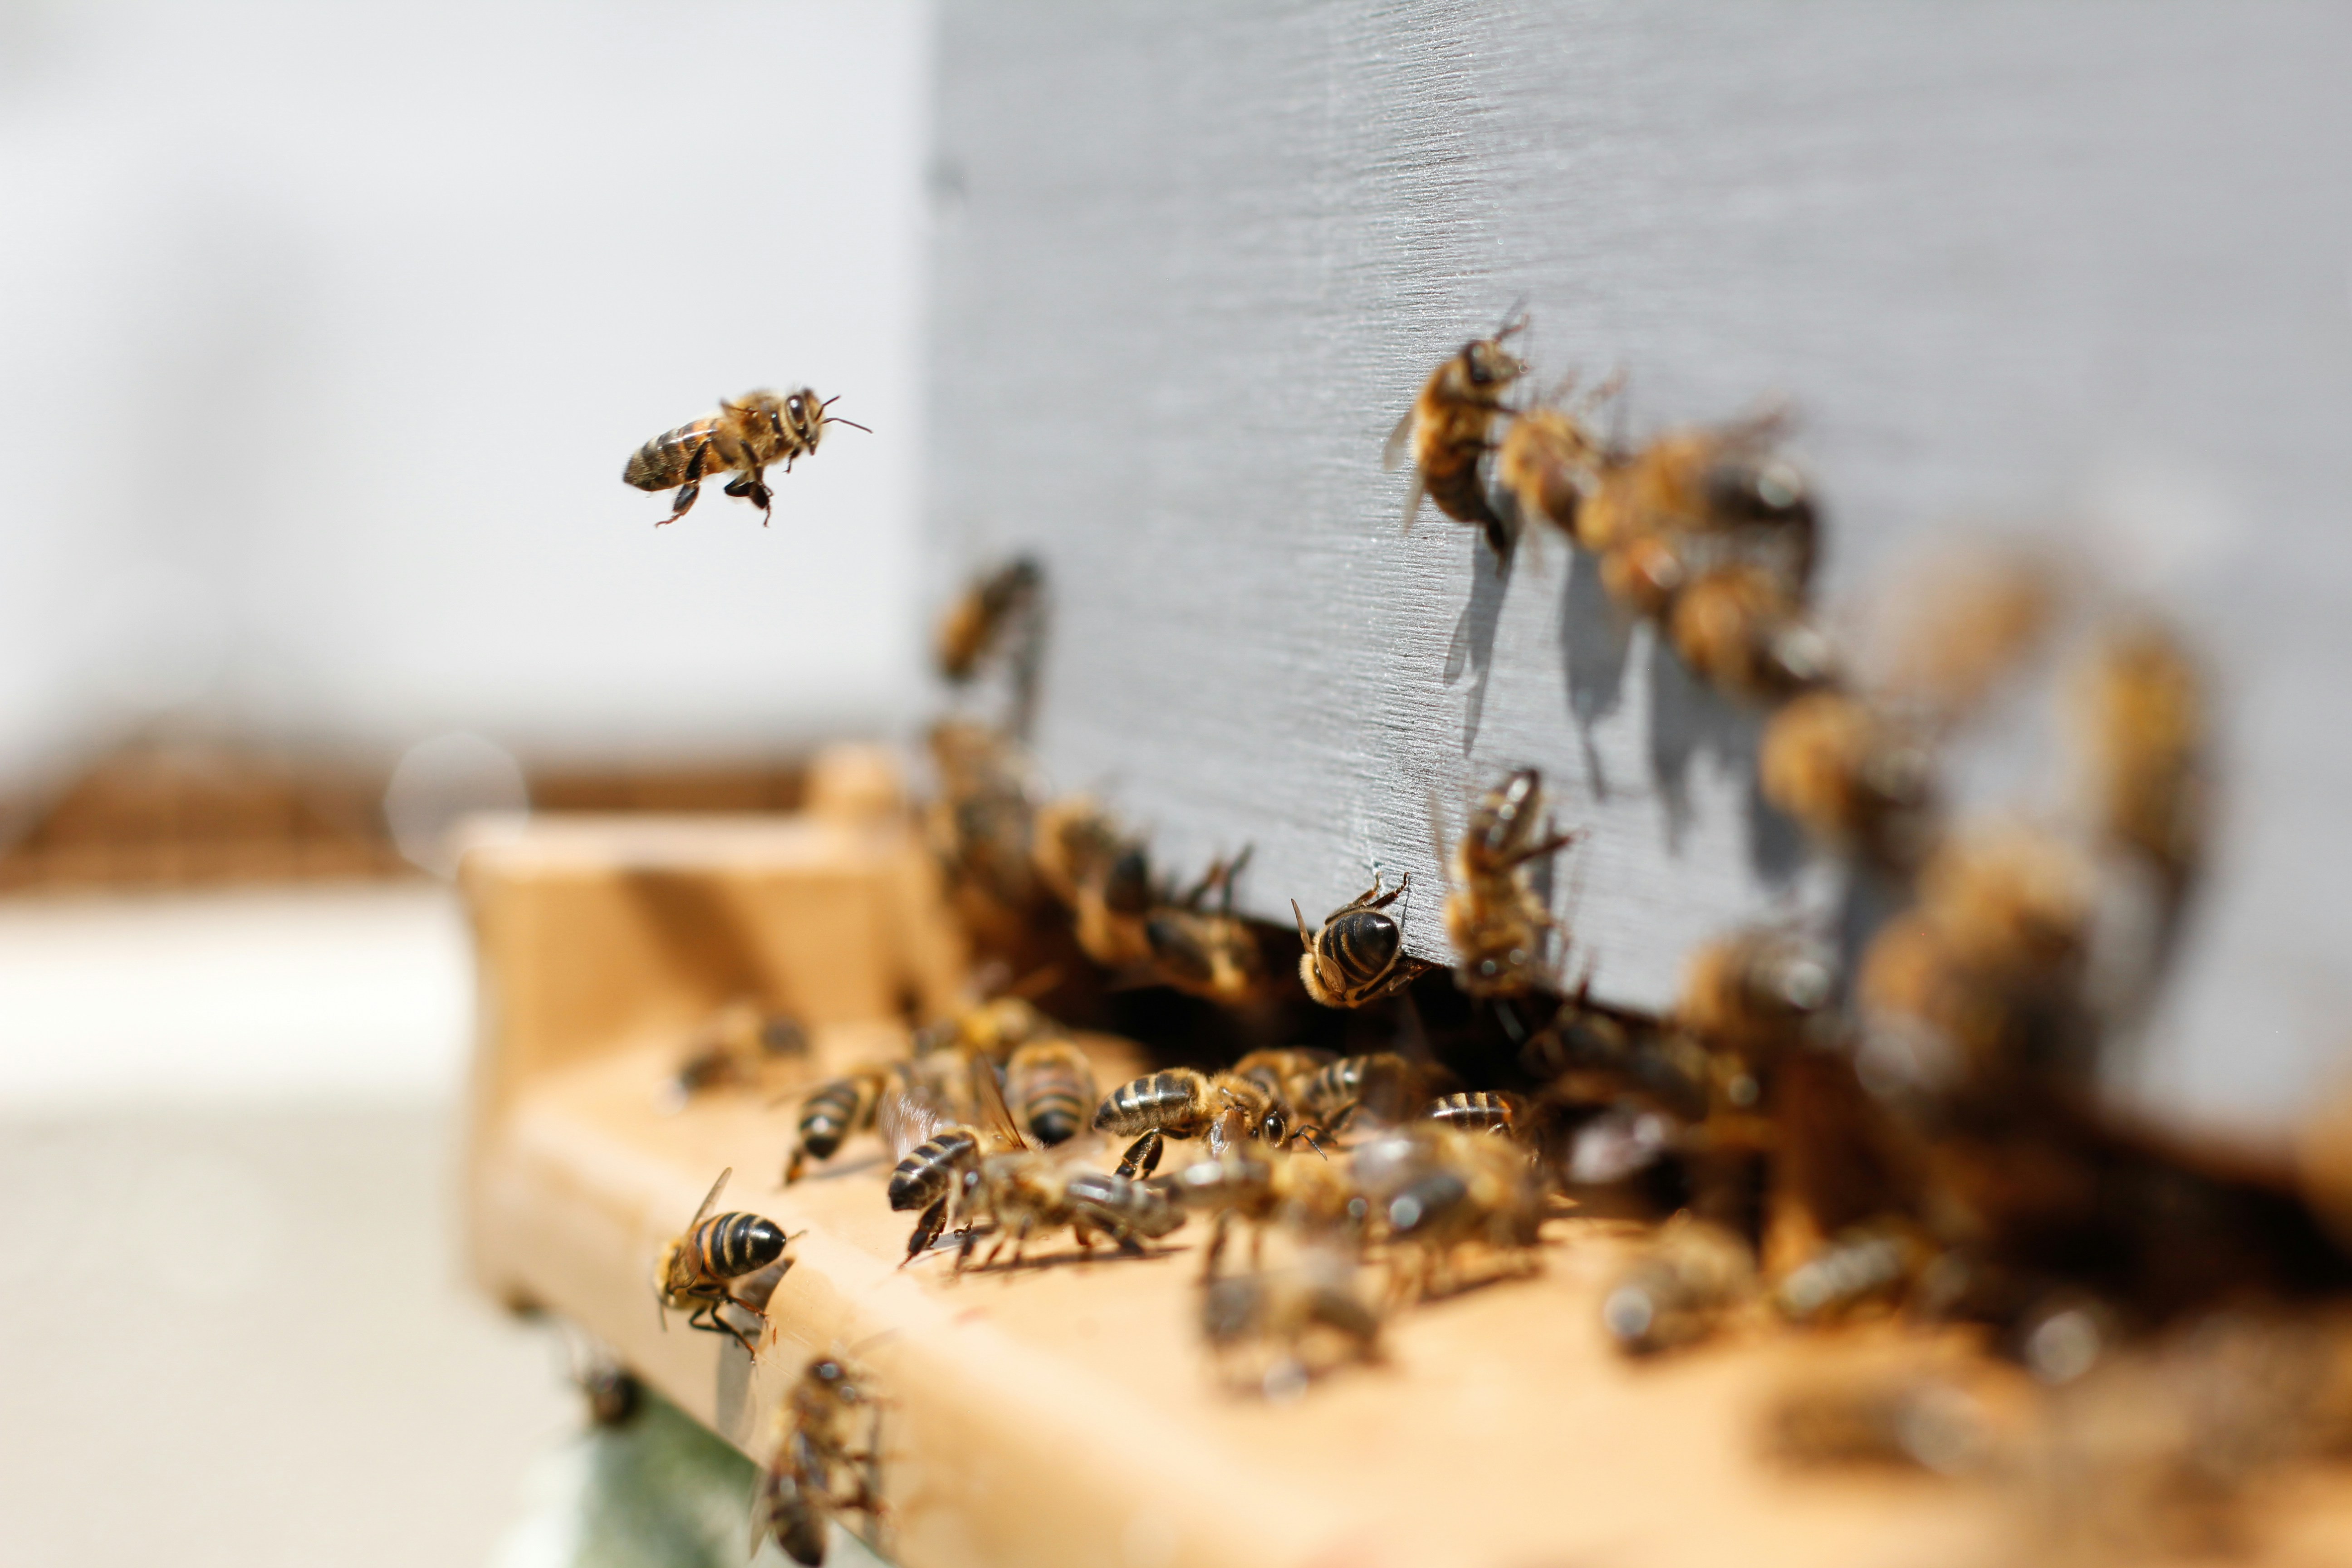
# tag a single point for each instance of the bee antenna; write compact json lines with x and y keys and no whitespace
{"x":853,"y":424}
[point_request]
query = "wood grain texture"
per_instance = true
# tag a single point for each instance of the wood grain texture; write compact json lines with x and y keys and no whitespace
{"x":2076,"y":269}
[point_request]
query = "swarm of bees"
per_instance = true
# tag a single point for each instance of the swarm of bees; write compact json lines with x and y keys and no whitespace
{"x":1890,"y":1120}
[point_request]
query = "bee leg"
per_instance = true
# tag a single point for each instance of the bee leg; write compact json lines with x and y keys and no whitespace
{"x":1216,"y":1248}
{"x":1146,"y":1148}
{"x":687,"y":491}
{"x":927,"y":1231}
{"x":752,"y":486}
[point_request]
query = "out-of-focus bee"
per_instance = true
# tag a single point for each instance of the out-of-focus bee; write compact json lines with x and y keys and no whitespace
{"x":1458,"y":1189}
{"x":1181,"y":1103}
{"x":1357,"y":956}
{"x":1550,"y":460}
{"x":1102,"y":876}
{"x":813,"y":1472}
{"x":2139,"y":718}
{"x":1024,"y":1193}
{"x":1075,"y":841}
{"x":1284,"y":1073}
{"x":1741,"y":628}
{"x":1756,"y":993}
{"x":997,"y":611}
{"x":1859,"y":1267}
{"x":1851,"y":775}
{"x":981,"y":824}
{"x":1051,"y":1087}
{"x":1702,"y":481}
{"x":1262,"y":1185}
{"x":836,"y":1110}
{"x":742,"y":438}
{"x":729,"y":1050}
{"x":1210,"y":953}
{"x":1962,"y":622}
{"x":1679,"y":1288}
{"x":1382,"y":1083}
{"x":697,"y":1267}
{"x":1273,"y":1332}
{"x":1907,"y":1418}
{"x":993,"y":1029}
{"x":1447,"y":431}
{"x":1498,"y":924}
{"x":1480,"y":1110}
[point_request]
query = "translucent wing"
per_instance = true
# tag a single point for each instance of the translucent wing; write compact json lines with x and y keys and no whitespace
{"x":711,"y":1198}
{"x":989,"y":1110}
{"x":1413,"y":492}
{"x":913,"y":1109}
{"x":1437,"y":829}
{"x":1400,"y":440}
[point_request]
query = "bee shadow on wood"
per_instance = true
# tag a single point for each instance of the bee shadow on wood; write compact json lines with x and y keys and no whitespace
{"x":1473,"y":647}
{"x":1689,"y":719}
{"x":1594,"y":641}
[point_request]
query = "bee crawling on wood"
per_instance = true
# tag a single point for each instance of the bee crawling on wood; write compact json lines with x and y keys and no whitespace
{"x":836,"y":1110}
{"x":1051,"y":1086}
{"x":1262,"y":1185}
{"x":1680,"y":1288}
{"x":1438,"y":1190}
{"x":1447,"y":431}
{"x":1227,"y":1109}
{"x":742,"y":438}
{"x":1497,"y":923}
{"x":730,"y":1051}
{"x":1274,"y":1330}
{"x":813,"y":1472}
{"x":698,"y":1270}
{"x":1357,"y":956}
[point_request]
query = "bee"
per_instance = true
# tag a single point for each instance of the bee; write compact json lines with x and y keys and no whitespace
{"x":1864,"y":1264}
{"x":1756,"y":993}
{"x":1480,"y":1110}
{"x":803,"y":1485}
{"x":981,"y":824}
{"x":730,"y":1050}
{"x":2140,"y":721}
{"x":696,"y":1268}
{"x":1704,"y":480}
{"x":836,"y":1110}
{"x":1181,"y":1103}
{"x":1740,"y":627}
{"x":1282,"y":1073}
{"x":1023,"y":1192}
{"x":1101,"y":875}
{"x":1493,"y":917}
{"x":1446,"y":432}
{"x":1261,"y":1185}
{"x":1382,"y":1082}
{"x":1456,"y":1189}
{"x":1207,"y":954}
{"x":1073,"y":842}
{"x":742,"y":438}
{"x":1273,"y":1331}
{"x":993,"y":1029}
{"x":1679,"y":1288}
{"x":1357,"y":956}
{"x":1001,"y":606}
{"x":1550,"y":460}
{"x":1850,"y":776}
{"x":929,"y":1178}
{"x":1050,"y":1085}
{"x":1909,"y":1419}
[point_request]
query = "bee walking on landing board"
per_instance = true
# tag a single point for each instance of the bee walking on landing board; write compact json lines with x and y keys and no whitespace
{"x":697,"y":1268}
{"x":742,"y":438}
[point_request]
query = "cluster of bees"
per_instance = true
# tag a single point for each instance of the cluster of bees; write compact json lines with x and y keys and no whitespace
{"x":1893,"y":1118}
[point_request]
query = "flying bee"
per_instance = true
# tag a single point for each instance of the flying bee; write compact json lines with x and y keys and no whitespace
{"x":697,"y":1268}
{"x":742,"y":438}
{"x":803,"y":1485}
{"x":1202,"y":952}
{"x":1678,"y":1289}
{"x":1757,"y":992}
{"x":1850,"y":775}
{"x":1273,"y":1332}
{"x":1447,"y":433}
{"x":1705,"y":480}
{"x":1481,"y":1110}
{"x":997,"y":611}
{"x":1550,"y":460}
{"x":1458,"y":1189}
{"x":836,"y":1110}
{"x":1261,"y":1185}
{"x":1357,"y":956}
{"x":1051,"y":1088}
{"x":1740,"y":627}
{"x":1181,"y":1103}
{"x":1496,"y":921}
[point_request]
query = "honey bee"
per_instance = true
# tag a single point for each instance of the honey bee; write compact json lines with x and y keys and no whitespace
{"x":1101,"y":875}
{"x":1023,"y":1192}
{"x":930,"y":1176}
{"x":836,"y":1110}
{"x":697,"y":1268}
{"x":1073,"y":841}
{"x":1273,"y":1331}
{"x":1382,"y":1082}
{"x":1679,"y":1288}
{"x":1850,"y":776}
{"x":1704,"y":480}
{"x":1864,"y":1264}
{"x":813,"y":1472}
{"x":742,"y":438}
{"x":1497,"y":923}
{"x":1261,"y":1185}
{"x":1000,"y":605}
{"x":1756,"y":993}
{"x":1480,"y":1110}
{"x":1550,"y":460}
{"x":1740,"y":627}
{"x":2140,"y":717}
{"x":1284,"y":1073}
{"x":1447,"y":433}
{"x":1181,"y":1103}
{"x":1357,"y":956}
{"x":1457,"y":1189}
{"x":1051,"y":1086}
{"x":981,"y":824}
{"x":1208,"y":953}
{"x":730,"y":1050}
{"x":993,"y":1029}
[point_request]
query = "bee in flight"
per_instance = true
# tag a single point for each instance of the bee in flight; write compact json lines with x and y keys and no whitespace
{"x":1448,"y":430}
{"x":742,"y":438}
{"x":697,"y":1267}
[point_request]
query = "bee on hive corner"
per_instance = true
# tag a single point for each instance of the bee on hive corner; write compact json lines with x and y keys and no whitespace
{"x":742,"y":438}
{"x":1447,"y":432}
{"x":698,"y":1270}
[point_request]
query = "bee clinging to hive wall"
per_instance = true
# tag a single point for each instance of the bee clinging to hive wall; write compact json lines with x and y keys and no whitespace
{"x":1447,"y":434}
{"x":1357,"y":956}
{"x":1497,"y":923}
{"x":697,"y":1268}
{"x":813,"y":1472}
{"x":1550,"y":460}
{"x":742,"y":438}
{"x":996,"y":613}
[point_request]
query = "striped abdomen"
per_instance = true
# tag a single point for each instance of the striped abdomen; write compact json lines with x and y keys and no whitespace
{"x":1052,"y":1087}
{"x":1359,"y":948}
{"x":726,"y":1246}
{"x":661,"y":464}
{"x":1345,"y":1082}
{"x":929,"y":1172}
{"x":1120,"y":1207}
{"x":1481,"y":1110}
{"x":840,"y":1108}
{"x":1175,"y":1102}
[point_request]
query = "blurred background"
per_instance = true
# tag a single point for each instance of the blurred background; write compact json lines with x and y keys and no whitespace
{"x":328,"y":331}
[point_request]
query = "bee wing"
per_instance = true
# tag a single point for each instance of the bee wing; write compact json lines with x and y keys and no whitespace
{"x":990,"y":1112}
{"x":911,"y":1111}
{"x":711,"y":1198}
{"x":1400,"y":440}
{"x":1413,"y":492}
{"x":1437,"y":829}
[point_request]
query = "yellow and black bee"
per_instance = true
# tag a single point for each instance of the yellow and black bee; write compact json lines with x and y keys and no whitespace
{"x":1357,"y":954}
{"x":813,"y":1471}
{"x":845,"y":1106}
{"x":696,"y":1268}
{"x":1479,"y":1110}
{"x":1051,"y":1086}
{"x":742,"y":438}
{"x":1446,"y":432}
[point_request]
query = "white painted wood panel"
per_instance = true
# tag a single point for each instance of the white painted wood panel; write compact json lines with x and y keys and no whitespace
{"x":2075,"y":267}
